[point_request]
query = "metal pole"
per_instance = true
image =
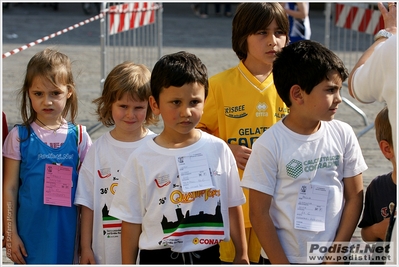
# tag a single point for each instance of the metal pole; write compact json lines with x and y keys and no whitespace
{"x":102,"y":39}
{"x":160,"y":29}
{"x":327,"y":13}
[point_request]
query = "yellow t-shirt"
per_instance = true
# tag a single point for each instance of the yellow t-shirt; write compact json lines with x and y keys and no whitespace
{"x":238,"y":109}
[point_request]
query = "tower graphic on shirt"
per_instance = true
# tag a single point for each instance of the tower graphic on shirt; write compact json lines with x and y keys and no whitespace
{"x":109,"y":222}
{"x":199,"y":224}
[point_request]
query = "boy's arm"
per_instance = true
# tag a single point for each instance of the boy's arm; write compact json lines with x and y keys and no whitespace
{"x":237,"y":234}
{"x":259,"y":205}
{"x":376,"y":231}
{"x":15,"y":248}
{"x":353,"y":195}
{"x":87,"y":254}
{"x":130,"y":242}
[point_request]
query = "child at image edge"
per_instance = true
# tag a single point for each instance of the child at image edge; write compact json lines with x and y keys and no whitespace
{"x":243,"y":101}
{"x":381,"y":191}
{"x":179,"y":194}
{"x":41,"y":157}
{"x":305,"y":155}
{"x":123,"y":104}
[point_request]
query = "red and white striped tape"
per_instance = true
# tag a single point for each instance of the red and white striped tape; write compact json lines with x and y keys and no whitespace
{"x":52,"y":35}
{"x":130,"y":16}
{"x":358,"y":19}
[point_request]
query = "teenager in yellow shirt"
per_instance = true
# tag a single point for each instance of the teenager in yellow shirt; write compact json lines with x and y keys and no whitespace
{"x":243,"y":102}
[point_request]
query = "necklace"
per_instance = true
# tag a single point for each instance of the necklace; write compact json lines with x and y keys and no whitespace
{"x":54,"y":130}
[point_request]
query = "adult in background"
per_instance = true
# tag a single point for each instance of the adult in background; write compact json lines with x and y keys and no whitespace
{"x":374,"y":78}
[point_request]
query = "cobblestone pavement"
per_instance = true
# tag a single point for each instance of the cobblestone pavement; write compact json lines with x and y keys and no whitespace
{"x":210,"y":39}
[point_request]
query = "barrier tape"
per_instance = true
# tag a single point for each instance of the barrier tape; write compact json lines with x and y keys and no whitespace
{"x":358,"y":19}
{"x":118,"y":10}
{"x":13,"y":52}
{"x":129,"y":16}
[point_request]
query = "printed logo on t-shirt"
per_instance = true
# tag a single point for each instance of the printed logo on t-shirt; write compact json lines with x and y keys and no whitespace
{"x":203,"y":226}
{"x":281,"y":112}
{"x":104,"y":173}
{"x":384,"y":212}
{"x":111,"y":225}
{"x":235,"y":112}
{"x":295,"y":167}
{"x":262,"y":110}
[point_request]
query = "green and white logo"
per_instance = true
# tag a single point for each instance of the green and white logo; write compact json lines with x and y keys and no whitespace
{"x":294,"y":168}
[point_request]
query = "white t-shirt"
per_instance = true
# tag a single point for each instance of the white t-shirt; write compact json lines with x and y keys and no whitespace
{"x":394,"y":240}
{"x":282,"y":161}
{"x":151,"y":193}
{"x":97,"y":183}
{"x":376,"y":80}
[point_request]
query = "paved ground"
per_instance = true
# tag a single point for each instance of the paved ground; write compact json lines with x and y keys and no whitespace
{"x":210,"y":39}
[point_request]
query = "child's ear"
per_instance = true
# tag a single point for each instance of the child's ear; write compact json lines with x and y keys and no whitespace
{"x":386,"y":149}
{"x":69,"y":93}
{"x":296,"y":94}
{"x":154,"y":105}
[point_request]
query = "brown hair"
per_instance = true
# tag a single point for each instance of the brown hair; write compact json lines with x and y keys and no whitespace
{"x":56,"y":68}
{"x":125,"y":78}
{"x":383,"y":130}
{"x":252,"y":17}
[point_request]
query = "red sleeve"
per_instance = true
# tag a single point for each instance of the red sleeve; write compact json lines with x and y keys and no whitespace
{"x":5,"y":127}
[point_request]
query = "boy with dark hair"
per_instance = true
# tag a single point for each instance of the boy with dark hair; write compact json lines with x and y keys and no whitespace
{"x":243,"y":101}
{"x":305,"y":161}
{"x":381,"y":191}
{"x":179,"y":194}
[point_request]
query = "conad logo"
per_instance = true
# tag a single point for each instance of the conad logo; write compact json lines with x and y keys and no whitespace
{"x":206,"y":241}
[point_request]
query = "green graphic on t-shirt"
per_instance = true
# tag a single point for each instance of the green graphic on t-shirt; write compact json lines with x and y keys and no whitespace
{"x":294,"y":168}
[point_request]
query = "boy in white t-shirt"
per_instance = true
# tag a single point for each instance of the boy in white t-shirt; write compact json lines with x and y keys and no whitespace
{"x":305,"y":172}
{"x":179,"y":194}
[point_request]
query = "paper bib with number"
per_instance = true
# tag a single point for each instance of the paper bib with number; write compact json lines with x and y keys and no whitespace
{"x":58,"y":185}
{"x":310,"y":212}
{"x":194,"y":172}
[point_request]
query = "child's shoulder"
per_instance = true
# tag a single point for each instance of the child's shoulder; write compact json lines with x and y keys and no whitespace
{"x":223,"y":75}
{"x":381,"y":180}
{"x":338,"y":125}
{"x":209,"y":138}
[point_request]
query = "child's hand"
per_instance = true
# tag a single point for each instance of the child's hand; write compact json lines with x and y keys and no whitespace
{"x":243,"y":259}
{"x":241,"y":154}
{"x":87,"y":257}
{"x":15,"y":249}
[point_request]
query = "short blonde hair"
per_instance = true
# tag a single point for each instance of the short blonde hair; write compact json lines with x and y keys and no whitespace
{"x":126,"y":78}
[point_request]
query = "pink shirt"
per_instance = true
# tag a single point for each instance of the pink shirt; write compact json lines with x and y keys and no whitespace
{"x":11,"y":147}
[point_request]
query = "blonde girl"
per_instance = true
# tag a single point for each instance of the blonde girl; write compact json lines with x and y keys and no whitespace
{"x":123,"y":105}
